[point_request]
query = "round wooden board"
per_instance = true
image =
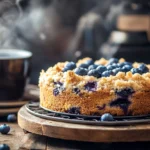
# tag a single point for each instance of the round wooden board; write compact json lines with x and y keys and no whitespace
{"x":78,"y":132}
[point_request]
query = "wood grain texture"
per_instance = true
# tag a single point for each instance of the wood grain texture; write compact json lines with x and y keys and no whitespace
{"x":69,"y":131}
{"x":13,"y":139}
{"x":17,"y":140}
{"x":31,"y":141}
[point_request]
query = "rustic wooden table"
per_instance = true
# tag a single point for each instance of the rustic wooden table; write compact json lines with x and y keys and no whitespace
{"x":18,"y":140}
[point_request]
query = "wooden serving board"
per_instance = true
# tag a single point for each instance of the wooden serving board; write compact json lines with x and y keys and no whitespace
{"x":78,"y":132}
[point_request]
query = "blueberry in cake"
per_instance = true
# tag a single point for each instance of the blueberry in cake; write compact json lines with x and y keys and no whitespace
{"x":97,"y":87}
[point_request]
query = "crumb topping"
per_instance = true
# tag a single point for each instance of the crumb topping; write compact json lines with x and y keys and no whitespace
{"x":71,"y":80}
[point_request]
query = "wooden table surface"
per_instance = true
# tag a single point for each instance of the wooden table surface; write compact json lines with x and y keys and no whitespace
{"x":18,"y":140}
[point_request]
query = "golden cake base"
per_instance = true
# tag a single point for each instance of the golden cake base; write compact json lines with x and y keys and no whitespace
{"x":78,"y":132}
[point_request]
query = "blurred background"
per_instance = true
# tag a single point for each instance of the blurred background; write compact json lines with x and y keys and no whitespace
{"x":59,"y":30}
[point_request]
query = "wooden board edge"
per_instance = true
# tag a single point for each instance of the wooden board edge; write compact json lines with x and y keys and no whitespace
{"x":66,"y":131}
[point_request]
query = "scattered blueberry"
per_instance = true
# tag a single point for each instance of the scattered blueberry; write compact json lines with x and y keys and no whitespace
{"x":11,"y":118}
{"x":110,"y":67}
{"x":89,"y":62}
{"x":119,"y":65}
{"x":101,"y":69}
{"x":115,"y":65}
{"x":115,"y":71}
{"x":4,"y":147}
{"x":74,"y":110}
{"x":94,"y":66}
{"x":91,"y":86}
{"x":76,"y":90}
{"x":69,"y":66}
{"x":81,"y":71}
{"x":107,"y":73}
{"x":143,"y":68}
{"x":94,"y":73}
{"x":4,"y":129}
{"x":107,"y":117}
{"x":125,"y":63}
{"x":136,"y":70}
{"x":113,"y":60}
{"x":84,"y":66}
{"x":126,"y":68}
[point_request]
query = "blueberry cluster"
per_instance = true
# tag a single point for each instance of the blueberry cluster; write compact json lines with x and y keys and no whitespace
{"x":112,"y":68}
{"x":141,"y":69}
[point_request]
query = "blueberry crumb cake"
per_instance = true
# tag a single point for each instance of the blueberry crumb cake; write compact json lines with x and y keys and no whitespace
{"x":93,"y":88}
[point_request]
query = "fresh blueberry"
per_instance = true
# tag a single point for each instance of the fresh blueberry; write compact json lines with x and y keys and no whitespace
{"x":126,"y":68}
{"x":74,"y":110}
{"x":89,"y":62}
{"x":84,"y":66}
{"x":136,"y":70}
{"x":115,"y":66}
{"x":119,"y":65}
{"x":4,"y":129}
{"x":125,"y":63}
{"x":101,"y":69}
{"x":110,"y":67}
{"x":107,"y":73}
{"x":94,"y":73}
{"x":91,"y":86}
{"x":143,"y":68}
{"x":69,"y":66}
{"x":4,"y":147}
{"x":113,"y":60}
{"x":107,"y":117}
{"x":81,"y":71}
{"x":115,"y":71}
{"x":11,"y":118}
{"x":94,"y":66}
